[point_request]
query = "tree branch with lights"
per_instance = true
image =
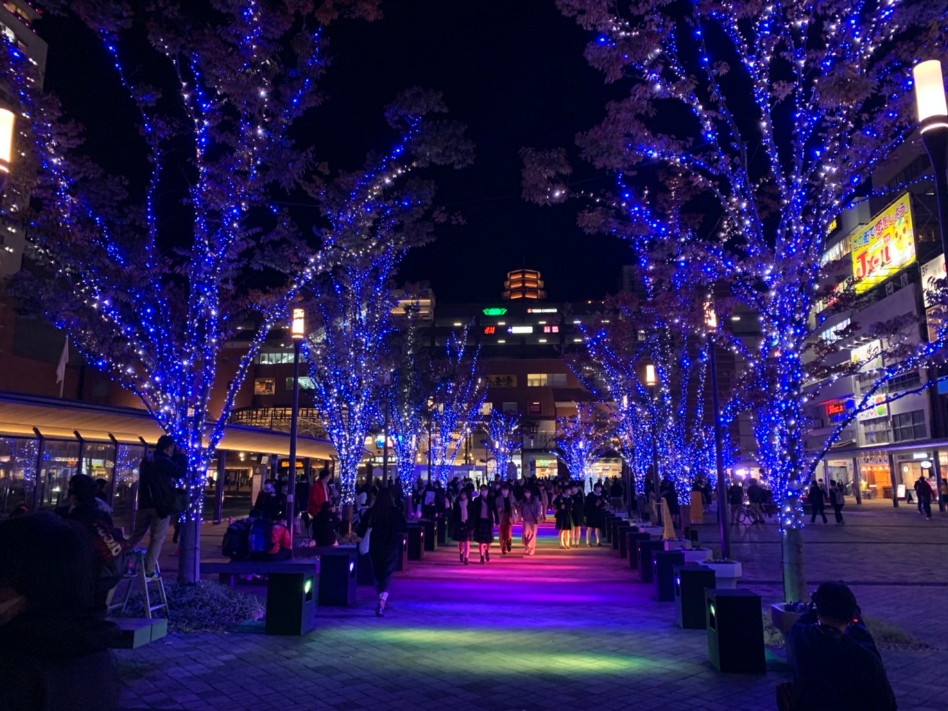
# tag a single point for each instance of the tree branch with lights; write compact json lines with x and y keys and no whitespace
{"x":775,"y":115}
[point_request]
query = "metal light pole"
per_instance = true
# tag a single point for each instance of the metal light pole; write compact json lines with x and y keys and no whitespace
{"x":7,"y":121}
{"x":932,"y":107}
{"x":430,"y":412}
{"x":711,"y":321}
{"x":388,"y":383}
{"x":298,"y":333}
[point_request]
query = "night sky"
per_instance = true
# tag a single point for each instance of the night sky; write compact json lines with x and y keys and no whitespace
{"x":512,"y":70}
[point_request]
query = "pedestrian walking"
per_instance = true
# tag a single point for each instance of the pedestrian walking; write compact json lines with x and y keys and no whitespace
{"x":506,"y":509}
{"x":564,"y":520}
{"x":735,"y":499}
{"x":925,"y":494}
{"x":595,"y":504}
{"x":387,"y":524}
{"x":577,"y":504}
{"x":530,"y":515}
{"x":817,"y":501}
{"x":838,"y":500}
{"x":461,"y":525}
{"x":484,"y":516}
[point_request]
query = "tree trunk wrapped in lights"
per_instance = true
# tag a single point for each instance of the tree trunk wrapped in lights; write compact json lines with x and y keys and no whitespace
{"x":503,"y":439}
{"x":582,"y":439}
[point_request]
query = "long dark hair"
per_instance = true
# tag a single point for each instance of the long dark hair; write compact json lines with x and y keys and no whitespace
{"x":383,"y":506}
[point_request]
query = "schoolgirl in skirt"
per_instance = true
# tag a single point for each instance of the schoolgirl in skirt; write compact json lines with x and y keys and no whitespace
{"x":484,"y":515}
{"x":564,"y":519}
{"x":462,"y":524}
{"x":576,"y":513}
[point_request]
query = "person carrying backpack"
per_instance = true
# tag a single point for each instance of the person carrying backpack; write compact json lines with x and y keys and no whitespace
{"x":109,"y":545}
{"x":160,"y":474}
{"x":236,"y":543}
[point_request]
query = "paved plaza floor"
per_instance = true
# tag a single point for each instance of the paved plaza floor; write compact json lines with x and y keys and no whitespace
{"x":563,"y":629}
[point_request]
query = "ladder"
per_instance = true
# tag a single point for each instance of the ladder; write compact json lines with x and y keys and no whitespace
{"x":135,"y":575}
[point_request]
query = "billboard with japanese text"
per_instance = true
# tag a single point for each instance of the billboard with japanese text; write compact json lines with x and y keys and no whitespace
{"x":883,"y":247}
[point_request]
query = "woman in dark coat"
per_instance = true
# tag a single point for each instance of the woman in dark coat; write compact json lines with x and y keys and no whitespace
{"x":564,"y":520}
{"x":576,"y":513}
{"x":387,"y":524}
{"x":461,"y":523}
{"x":483,"y":513}
{"x":594,"y":507}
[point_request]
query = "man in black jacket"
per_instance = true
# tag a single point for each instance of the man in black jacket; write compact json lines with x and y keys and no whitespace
{"x":836,"y":666}
{"x":160,"y":474}
{"x":816,"y":498}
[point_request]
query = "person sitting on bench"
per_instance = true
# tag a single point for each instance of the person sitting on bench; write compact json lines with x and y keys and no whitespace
{"x":281,"y":547}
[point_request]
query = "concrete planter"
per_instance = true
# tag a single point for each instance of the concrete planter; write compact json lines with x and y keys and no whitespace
{"x":726,"y":574}
{"x":783,"y":620}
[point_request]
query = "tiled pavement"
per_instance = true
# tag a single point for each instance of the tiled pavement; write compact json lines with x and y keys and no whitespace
{"x":571,"y":629}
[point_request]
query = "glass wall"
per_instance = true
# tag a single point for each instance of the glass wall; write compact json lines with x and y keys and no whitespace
{"x":17,"y":467}
{"x":98,"y":461}
{"x":60,"y":462}
{"x":126,"y":484}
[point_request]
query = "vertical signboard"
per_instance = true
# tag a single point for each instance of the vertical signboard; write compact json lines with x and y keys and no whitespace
{"x":883,"y":247}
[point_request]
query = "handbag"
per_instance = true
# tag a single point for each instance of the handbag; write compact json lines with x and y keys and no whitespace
{"x":364,"y":543}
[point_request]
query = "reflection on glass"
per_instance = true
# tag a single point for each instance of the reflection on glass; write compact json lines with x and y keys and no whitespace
{"x":126,"y":483}
{"x":17,"y":464}
{"x":60,"y":462}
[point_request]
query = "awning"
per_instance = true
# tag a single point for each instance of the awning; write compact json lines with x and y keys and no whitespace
{"x":61,"y":419}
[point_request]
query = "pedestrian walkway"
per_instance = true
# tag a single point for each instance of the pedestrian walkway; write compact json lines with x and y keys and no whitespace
{"x":564,"y":628}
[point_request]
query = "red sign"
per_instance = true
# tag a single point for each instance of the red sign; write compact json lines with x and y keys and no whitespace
{"x":551,"y":329}
{"x":490,"y":330}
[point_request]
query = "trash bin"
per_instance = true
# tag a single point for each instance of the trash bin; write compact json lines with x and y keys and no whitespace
{"x":690,"y":583}
{"x":646,"y":548}
{"x":337,"y":576}
{"x":633,"y":538}
{"x":607,"y":518}
{"x":622,"y":533}
{"x":402,"y":564}
{"x":431,"y":534}
{"x":416,"y":541}
{"x":614,"y":537}
{"x":663,"y":575}
{"x":735,"y":631}
{"x":291,"y":602}
{"x":442,"y":522}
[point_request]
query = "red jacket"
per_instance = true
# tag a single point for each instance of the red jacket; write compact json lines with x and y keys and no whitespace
{"x":318,"y":493}
{"x":280,"y":538}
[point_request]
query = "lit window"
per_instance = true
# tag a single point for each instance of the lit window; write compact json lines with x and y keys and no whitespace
{"x":537,"y":380}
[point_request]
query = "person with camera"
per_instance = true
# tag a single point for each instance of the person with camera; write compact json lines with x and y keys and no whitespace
{"x":161,"y":473}
{"x":836,"y":665}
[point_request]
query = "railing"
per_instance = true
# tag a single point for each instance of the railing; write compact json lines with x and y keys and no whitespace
{"x":278,"y":419}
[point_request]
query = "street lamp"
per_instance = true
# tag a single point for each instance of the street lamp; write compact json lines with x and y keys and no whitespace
{"x":932,"y":108}
{"x":651,"y":381}
{"x":429,"y":405}
{"x":711,"y":322}
{"x":297,"y":333}
{"x":7,"y":122}
{"x":388,"y":381}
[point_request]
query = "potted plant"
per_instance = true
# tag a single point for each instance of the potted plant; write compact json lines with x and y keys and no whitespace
{"x":726,"y":572}
{"x":784,"y":614}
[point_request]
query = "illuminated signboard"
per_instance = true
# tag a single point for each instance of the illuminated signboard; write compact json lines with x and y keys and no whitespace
{"x":520,"y":329}
{"x":551,"y":329}
{"x":490,"y":330}
{"x":875,"y":408}
{"x":542,"y":311}
{"x":837,"y":410}
{"x":495,"y":311}
{"x":930,"y":271}
{"x":884,"y":246}
{"x":868,"y":357}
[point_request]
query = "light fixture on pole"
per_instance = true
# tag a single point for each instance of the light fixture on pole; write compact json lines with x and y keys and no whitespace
{"x":651,"y":381}
{"x":711,"y":323}
{"x":429,"y":405}
{"x":297,"y":333}
{"x":388,"y":381}
{"x":7,"y":122}
{"x":932,"y":106}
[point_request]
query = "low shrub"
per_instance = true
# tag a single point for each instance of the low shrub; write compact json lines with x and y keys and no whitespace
{"x":204,"y":607}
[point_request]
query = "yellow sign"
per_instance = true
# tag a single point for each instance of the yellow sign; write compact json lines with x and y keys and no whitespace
{"x":883,"y":247}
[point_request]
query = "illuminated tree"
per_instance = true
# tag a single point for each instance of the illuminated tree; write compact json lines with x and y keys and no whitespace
{"x":147,"y":291}
{"x":503,"y":439}
{"x":582,"y":439}
{"x":456,"y":402}
{"x":372,"y":220}
{"x":771,"y":117}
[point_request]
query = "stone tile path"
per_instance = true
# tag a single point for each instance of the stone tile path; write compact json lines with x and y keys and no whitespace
{"x":570,"y":629}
